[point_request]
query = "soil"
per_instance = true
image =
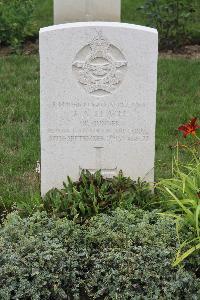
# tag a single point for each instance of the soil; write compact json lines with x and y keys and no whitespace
{"x":188,"y":51}
{"x":27,"y":49}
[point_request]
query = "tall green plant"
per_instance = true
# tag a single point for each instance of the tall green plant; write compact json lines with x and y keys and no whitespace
{"x":170,"y":18}
{"x":182,"y":194}
{"x":182,"y":199}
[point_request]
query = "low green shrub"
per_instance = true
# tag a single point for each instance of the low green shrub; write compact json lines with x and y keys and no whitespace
{"x":93,"y":194}
{"x":16,"y":21}
{"x":125,"y":255}
{"x":171,"y":19}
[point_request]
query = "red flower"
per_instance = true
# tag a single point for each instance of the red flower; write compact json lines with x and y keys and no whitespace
{"x":189,"y":128}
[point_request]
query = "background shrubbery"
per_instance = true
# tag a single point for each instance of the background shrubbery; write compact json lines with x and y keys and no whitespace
{"x":16,"y":21}
{"x":171,"y":18}
{"x":126,"y":255}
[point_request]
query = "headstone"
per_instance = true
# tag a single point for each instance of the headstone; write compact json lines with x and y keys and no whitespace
{"x":98,"y":100}
{"x":66,"y":11}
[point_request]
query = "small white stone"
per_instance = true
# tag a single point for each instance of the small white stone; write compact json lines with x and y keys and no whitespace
{"x":86,"y":10}
{"x":37,"y":169}
{"x":98,"y":100}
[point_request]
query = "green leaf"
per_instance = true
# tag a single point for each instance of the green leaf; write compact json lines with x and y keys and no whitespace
{"x":179,"y":259}
{"x":82,"y":208}
{"x":197,"y":219}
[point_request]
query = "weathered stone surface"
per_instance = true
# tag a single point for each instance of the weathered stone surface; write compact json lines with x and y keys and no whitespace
{"x":98,"y":100}
{"x":86,"y":10}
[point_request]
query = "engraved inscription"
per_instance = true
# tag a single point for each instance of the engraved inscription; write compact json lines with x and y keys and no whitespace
{"x":99,"y":67}
{"x":94,"y":138}
{"x":99,"y":121}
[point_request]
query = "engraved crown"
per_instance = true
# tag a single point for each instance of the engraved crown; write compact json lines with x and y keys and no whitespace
{"x":99,"y":43}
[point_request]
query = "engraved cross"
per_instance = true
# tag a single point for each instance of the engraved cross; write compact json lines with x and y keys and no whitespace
{"x":106,"y":172}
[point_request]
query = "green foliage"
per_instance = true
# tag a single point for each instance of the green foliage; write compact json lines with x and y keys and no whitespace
{"x":182,"y":201}
{"x":125,"y":255}
{"x":93,"y":194}
{"x":170,"y":18}
{"x":16,"y":20}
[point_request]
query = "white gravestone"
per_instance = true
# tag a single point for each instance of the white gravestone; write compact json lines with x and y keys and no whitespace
{"x":86,"y":10}
{"x":98,"y":100}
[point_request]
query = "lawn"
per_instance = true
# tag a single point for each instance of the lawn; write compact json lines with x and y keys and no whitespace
{"x":177,"y":101}
{"x":19,"y":126}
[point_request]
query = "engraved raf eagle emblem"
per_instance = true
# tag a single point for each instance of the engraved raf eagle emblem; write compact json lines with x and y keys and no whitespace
{"x":100,"y":66}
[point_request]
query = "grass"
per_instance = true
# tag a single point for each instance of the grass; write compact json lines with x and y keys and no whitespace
{"x":129,"y":12}
{"x":177,"y":101}
{"x":19,"y":127}
{"x":44,"y":13}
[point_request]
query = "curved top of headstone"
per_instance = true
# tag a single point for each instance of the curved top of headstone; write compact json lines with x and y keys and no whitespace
{"x":98,"y":24}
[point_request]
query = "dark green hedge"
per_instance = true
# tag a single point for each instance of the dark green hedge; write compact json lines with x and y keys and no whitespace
{"x":16,"y":21}
{"x":126,"y":255}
